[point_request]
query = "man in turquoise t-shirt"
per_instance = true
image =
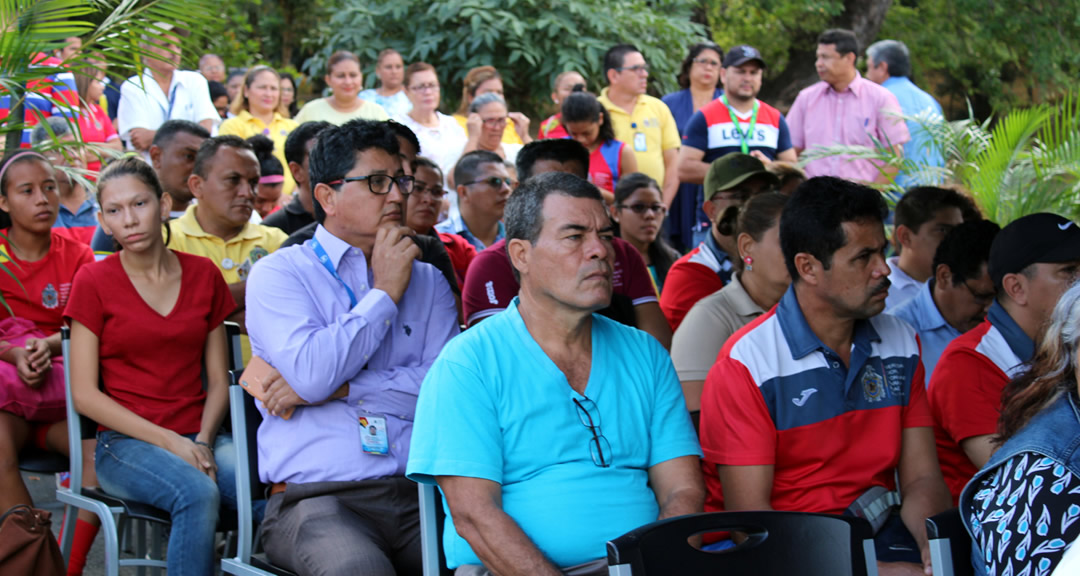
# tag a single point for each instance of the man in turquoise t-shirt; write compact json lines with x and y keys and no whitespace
{"x":550,"y":429}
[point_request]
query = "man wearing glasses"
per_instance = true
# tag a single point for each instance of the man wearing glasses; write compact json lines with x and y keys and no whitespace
{"x":730,"y":181}
{"x":352,"y":321}
{"x":736,"y":121}
{"x":550,"y":429}
{"x":483,"y":185}
{"x":959,"y":293}
{"x":1032,"y":262}
{"x":640,"y":120}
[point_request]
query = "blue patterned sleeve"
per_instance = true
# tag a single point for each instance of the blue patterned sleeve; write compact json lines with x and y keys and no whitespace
{"x":1025,"y":515}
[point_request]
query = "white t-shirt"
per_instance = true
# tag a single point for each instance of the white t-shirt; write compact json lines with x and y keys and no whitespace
{"x":144,"y":105}
{"x":443,"y":144}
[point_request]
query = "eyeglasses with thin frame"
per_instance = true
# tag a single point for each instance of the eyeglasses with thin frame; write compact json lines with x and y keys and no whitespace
{"x":494,"y":182}
{"x":642,"y":209}
{"x":599,"y":447}
{"x":436,"y":192}
{"x":636,"y":69}
{"x":707,"y":62}
{"x":981,"y":298}
{"x":380,"y":184}
{"x":500,"y":121}
{"x":424,"y":87}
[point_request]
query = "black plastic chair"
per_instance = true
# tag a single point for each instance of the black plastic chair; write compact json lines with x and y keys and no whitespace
{"x":776,"y":543}
{"x":950,"y":544}
{"x":245,"y":424}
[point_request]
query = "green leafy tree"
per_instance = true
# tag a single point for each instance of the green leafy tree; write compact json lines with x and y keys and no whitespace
{"x":528,"y":41}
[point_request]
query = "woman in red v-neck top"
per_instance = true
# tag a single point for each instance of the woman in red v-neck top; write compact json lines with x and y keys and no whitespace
{"x":147,"y":319}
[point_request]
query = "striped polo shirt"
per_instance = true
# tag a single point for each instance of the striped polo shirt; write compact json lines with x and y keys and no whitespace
{"x":778,"y":396}
{"x":965,"y":389}
{"x":711,"y":130}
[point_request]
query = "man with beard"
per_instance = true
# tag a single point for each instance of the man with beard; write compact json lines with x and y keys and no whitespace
{"x":735,"y":122}
{"x":814,"y":406}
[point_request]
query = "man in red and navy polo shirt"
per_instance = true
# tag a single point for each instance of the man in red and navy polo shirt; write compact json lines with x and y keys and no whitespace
{"x":736,"y":121}
{"x":821,"y":399}
{"x":1032,"y":262}
{"x":730,"y":181}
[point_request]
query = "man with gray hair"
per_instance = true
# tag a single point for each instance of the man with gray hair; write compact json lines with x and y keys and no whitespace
{"x":568,"y":429}
{"x":888,"y":63}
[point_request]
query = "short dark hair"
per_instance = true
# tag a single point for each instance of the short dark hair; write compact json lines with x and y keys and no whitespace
{"x":405,"y":132}
{"x":468,"y":167}
{"x":560,"y":150}
{"x":580,"y":106}
{"x":167,"y":131}
{"x":891,"y":52}
{"x":335,"y":152}
{"x":844,"y":40}
{"x":209,"y":148}
{"x":217,"y":90}
{"x":422,"y":162}
{"x":920,"y":204}
{"x":297,"y":141}
{"x":966,"y":248}
{"x":615,"y":56}
{"x":688,"y":62}
{"x":524,"y":216}
{"x":812,"y":221}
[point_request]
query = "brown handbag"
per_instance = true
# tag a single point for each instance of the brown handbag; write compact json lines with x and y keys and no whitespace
{"x":27,"y":545}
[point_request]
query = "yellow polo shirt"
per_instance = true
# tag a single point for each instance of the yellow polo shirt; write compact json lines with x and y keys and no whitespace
{"x":653,"y":120}
{"x":234,"y":258}
{"x":510,"y":135}
{"x":245,"y":126}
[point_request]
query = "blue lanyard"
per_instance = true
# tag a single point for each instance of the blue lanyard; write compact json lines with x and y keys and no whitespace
{"x":320,"y":253}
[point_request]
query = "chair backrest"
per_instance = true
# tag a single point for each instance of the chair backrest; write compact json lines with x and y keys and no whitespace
{"x":245,"y":424}
{"x":776,"y":543}
{"x":950,"y":544}
{"x":432,"y":522}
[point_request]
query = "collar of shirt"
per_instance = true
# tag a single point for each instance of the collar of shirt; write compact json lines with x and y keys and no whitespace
{"x":247,"y":117}
{"x":898,"y":82}
{"x":338,"y":249}
{"x":85,"y":207}
{"x":713,"y":246}
{"x":153,"y":89}
{"x":1018,"y":341}
{"x":191,"y":228}
{"x":741,"y":303}
{"x":927,"y":315}
{"x":612,"y":108}
{"x":855,"y":87}
{"x":802,"y":340}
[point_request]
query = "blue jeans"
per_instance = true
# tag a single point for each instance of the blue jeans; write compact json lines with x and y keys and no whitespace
{"x":135,"y":470}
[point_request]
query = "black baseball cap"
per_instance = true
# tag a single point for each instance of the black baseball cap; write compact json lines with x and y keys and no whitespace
{"x":742,"y":54}
{"x":1032,"y":239}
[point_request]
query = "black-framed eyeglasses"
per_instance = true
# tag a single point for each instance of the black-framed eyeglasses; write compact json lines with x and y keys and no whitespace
{"x":599,"y":447}
{"x":494,"y":182}
{"x":981,"y":298}
{"x":380,"y":183}
{"x":642,"y":209}
{"x":436,"y":192}
{"x":636,"y":69}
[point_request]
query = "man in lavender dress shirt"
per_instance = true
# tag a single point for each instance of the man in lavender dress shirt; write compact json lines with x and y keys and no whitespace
{"x":845,"y":109}
{"x":352,"y":321}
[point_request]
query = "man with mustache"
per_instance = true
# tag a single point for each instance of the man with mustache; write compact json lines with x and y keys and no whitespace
{"x":813,"y":406}
{"x":566,"y":429}
{"x":1033,"y":261}
{"x":218,"y":226}
{"x":352,"y":320}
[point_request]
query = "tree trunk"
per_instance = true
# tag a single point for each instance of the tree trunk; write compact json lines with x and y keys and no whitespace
{"x":286,"y":32}
{"x":864,"y":17}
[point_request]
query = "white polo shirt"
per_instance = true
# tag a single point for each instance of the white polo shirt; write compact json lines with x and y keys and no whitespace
{"x":144,"y":105}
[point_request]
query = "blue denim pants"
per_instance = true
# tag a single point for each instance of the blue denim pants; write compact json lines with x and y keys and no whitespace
{"x":135,"y":470}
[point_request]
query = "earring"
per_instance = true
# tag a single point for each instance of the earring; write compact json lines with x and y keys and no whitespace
{"x":749,"y":263}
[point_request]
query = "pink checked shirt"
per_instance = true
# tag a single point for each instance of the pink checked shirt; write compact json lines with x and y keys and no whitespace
{"x":822,"y":116}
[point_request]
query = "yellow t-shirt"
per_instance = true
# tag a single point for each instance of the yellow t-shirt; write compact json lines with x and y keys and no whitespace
{"x":245,"y":126}
{"x":234,"y":258}
{"x":510,"y":135}
{"x":653,"y":120}
{"x":320,"y":109}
